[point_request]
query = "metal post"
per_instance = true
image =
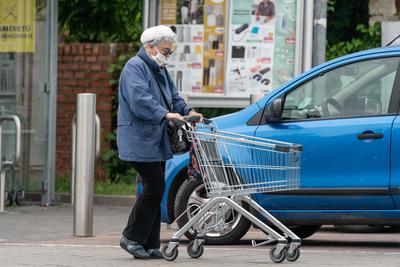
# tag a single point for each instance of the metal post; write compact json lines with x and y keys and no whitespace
{"x":146,"y":14}
{"x":298,"y":67}
{"x":73,"y":156}
{"x":48,"y":179}
{"x":2,"y":188}
{"x":73,"y":126}
{"x":320,"y":15}
{"x":5,"y":164}
{"x":85,"y":157}
{"x":308,"y":35}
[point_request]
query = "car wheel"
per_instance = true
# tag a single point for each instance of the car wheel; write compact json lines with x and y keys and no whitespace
{"x":304,"y":231}
{"x":190,"y":196}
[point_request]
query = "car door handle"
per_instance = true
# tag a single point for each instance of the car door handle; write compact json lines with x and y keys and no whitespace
{"x":364,"y":136}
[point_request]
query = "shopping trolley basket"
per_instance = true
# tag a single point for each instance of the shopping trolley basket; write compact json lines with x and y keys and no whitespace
{"x":234,"y":166}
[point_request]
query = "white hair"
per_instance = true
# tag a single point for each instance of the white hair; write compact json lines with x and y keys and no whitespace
{"x":160,"y":40}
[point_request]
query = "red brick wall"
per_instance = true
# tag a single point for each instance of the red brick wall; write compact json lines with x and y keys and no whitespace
{"x":82,"y":68}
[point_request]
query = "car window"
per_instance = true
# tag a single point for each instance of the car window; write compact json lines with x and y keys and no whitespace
{"x":358,"y":89}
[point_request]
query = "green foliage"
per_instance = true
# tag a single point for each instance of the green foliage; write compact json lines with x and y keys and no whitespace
{"x":348,"y":29}
{"x":110,"y":188}
{"x":63,"y":185}
{"x":343,"y":19}
{"x":118,"y":171}
{"x":331,"y":5}
{"x":100,"y":20}
{"x":370,"y":37}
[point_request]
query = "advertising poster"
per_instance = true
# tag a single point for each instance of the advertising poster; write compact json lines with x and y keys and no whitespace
{"x":17,"y":26}
{"x":214,"y":46}
{"x":168,"y":12}
{"x":285,"y":42}
{"x":186,"y":64}
{"x":261,"y":45}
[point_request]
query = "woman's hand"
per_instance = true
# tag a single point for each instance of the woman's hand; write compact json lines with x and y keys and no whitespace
{"x":195,"y":114}
{"x":174,"y":117}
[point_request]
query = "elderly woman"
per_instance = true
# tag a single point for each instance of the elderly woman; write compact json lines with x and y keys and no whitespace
{"x":147,"y":100}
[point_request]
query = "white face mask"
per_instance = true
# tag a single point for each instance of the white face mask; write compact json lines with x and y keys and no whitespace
{"x":160,"y":59}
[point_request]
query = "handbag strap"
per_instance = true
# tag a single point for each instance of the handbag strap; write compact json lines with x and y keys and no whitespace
{"x":170,"y":108}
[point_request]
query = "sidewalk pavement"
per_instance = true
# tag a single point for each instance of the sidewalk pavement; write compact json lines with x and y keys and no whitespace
{"x":42,"y":236}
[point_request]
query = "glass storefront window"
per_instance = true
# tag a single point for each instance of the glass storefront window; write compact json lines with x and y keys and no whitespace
{"x":24,"y":55}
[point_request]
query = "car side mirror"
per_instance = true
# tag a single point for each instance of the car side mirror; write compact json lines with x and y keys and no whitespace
{"x":273,"y":112}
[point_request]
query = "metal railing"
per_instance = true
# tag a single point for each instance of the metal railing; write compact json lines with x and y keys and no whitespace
{"x":4,"y":165}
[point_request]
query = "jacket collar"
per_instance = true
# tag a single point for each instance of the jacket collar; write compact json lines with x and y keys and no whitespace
{"x":149,"y":61}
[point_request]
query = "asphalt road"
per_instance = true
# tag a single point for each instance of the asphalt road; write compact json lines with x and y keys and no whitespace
{"x":36,"y":236}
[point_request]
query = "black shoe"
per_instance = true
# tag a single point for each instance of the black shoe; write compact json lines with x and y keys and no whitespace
{"x":155,"y":253}
{"x":134,"y":248}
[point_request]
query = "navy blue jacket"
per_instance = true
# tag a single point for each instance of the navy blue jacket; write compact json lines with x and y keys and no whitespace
{"x":141,"y":132}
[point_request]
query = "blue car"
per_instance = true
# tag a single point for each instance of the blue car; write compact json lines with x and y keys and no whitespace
{"x":345,"y":114}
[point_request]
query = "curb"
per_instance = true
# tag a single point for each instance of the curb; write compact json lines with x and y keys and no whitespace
{"x":109,"y":200}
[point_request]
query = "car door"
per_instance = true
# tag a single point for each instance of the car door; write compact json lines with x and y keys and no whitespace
{"x":343,"y":117}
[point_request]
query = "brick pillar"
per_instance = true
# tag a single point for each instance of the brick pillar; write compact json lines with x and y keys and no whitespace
{"x":82,"y":68}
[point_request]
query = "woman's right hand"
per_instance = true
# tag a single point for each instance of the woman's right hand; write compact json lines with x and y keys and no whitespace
{"x":174,"y":117}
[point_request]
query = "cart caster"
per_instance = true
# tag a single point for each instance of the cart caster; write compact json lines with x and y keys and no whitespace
{"x":195,"y":253}
{"x":169,"y":256}
{"x":292,"y":256}
{"x":276,"y":258}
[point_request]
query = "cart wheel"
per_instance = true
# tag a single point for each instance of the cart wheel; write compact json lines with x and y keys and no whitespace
{"x":195,"y":253}
{"x":292,"y":256}
{"x":171,"y":256}
{"x":276,"y":258}
{"x":19,"y":197}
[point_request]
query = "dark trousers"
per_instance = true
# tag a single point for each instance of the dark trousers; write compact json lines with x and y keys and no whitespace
{"x":144,"y":221}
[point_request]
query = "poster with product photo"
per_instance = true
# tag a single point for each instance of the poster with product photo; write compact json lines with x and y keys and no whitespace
{"x":186,"y":64}
{"x":259,"y":32}
{"x":214,"y":46}
{"x":285,"y":42}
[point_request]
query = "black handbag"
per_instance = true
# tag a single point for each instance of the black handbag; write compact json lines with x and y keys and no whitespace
{"x":178,"y":138}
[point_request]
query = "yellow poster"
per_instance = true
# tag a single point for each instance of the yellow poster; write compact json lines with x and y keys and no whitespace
{"x":214,"y":46}
{"x":17,"y":25}
{"x":168,"y":12}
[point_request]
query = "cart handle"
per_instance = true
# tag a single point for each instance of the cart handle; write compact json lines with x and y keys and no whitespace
{"x":189,"y":119}
{"x":197,"y":119}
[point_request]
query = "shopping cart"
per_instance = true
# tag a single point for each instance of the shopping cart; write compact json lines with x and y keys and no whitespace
{"x":234,"y":166}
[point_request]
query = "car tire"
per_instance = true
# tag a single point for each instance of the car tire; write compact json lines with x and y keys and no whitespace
{"x":190,"y":188}
{"x":304,"y":231}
